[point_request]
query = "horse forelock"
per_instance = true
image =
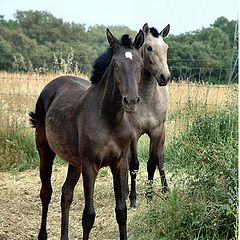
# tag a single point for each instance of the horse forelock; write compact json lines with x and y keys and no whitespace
{"x":102,"y":62}
{"x":154,"y":32}
{"x":126,"y":41}
{"x":152,"y":40}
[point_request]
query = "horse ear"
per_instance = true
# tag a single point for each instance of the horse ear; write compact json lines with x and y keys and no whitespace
{"x":113,"y":42}
{"x":165,"y":31}
{"x":146,"y":29}
{"x":139,"y":39}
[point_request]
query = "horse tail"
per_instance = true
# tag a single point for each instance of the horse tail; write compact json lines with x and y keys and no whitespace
{"x":32,"y":119}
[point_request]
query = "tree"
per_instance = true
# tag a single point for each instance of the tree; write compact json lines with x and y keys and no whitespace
{"x":37,"y":39}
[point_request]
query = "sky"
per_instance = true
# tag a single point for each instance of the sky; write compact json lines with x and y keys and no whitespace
{"x":182,"y":15}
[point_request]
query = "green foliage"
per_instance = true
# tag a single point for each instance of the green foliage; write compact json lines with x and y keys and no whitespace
{"x":35,"y":38}
{"x":205,"y":52}
{"x":226,"y":26}
{"x":38,"y":36}
{"x":203,"y":201}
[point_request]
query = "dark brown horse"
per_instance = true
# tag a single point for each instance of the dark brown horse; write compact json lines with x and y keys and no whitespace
{"x":89,"y":128}
{"x":150,"y":116}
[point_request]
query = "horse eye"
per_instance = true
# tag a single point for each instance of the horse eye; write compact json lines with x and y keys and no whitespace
{"x":149,"y":48}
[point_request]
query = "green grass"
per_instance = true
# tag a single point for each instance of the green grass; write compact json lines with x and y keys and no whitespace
{"x":17,"y":150}
{"x":203,"y":202}
{"x":143,"y":148}
{"x":203,"y":163}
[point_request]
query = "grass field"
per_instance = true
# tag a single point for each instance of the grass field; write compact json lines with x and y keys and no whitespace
{"x":19,"y":92}
{"x":201,"y":127}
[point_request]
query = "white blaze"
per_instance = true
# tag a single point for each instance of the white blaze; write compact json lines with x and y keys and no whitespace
{"x":128,"y":55}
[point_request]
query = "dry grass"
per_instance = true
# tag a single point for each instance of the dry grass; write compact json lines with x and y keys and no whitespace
{"x":19,"y":92}
{"x":20,"y":205}
{"x":18,"y":96}
{"x":213,"y":95}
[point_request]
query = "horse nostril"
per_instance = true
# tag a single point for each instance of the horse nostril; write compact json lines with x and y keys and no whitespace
{"x":138,"y":99}
{"x":125,"y":101}
{"x":162,"y":77}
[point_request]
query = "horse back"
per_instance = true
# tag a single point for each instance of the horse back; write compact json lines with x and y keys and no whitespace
{"x":60,"y":84}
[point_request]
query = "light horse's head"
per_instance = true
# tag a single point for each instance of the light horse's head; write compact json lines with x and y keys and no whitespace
{"x":154,"y":52}
{"x":127,"y":65}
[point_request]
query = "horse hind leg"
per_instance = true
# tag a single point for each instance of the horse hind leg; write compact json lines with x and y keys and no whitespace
{"x":46,"y":162}
{"x":160,"y":165}
{"x":160,"y":162}
{"x":73,"y":176}
{"x":156,"y":159}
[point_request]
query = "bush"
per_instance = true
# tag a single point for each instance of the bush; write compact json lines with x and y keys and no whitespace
{"x":203,"y":202}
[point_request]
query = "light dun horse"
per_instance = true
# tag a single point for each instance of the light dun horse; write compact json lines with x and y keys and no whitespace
{"x":150,"y":116}
{"x":89,"y":128}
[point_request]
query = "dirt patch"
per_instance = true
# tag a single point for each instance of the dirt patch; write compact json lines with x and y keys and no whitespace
{"x":20,"y":206}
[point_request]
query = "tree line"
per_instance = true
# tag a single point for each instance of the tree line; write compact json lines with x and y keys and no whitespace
{"x":36,"y":41}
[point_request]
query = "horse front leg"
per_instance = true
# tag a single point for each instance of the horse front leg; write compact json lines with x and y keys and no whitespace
{"x":67,"y":197}
{"x":119,"y":180}
{"x":133,"y":168}
{"x":88,"y":218}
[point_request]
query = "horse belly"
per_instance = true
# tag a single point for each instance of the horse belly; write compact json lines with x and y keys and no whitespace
{"x":62,"y":140}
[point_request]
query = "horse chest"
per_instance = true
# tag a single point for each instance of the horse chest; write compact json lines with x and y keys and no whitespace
{"x":109,"y":152}
{"x":147,"y":120}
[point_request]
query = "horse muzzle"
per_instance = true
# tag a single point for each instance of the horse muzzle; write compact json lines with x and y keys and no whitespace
{"x":162,"y":79}
{"x":130,"y":105}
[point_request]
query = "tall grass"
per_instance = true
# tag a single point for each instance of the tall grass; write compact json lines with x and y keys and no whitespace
{"x":201,"y":156}
{"x":18,"y":150}
{"x":203,"y":201}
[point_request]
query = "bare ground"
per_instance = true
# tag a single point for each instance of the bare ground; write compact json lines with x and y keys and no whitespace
{"x":20,"y":206}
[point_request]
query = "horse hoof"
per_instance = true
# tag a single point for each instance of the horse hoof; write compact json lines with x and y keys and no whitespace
{"x":42,"y":235}
{"x":165,"y":190}
{"x":133,"y":205}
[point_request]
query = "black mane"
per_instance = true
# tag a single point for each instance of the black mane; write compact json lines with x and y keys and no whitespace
{"x":154,"y":32}
{"x":101,"y":63}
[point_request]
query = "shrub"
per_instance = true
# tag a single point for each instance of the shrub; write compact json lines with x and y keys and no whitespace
{"x":203,"y":201}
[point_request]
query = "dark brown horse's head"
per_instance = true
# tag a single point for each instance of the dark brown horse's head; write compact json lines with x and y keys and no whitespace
{"x":127,"y":65}
{"x":154,"y":51}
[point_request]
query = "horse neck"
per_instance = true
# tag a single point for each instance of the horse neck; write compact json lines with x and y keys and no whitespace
{"x":110,"y":100}
{"x":147,"y":85}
